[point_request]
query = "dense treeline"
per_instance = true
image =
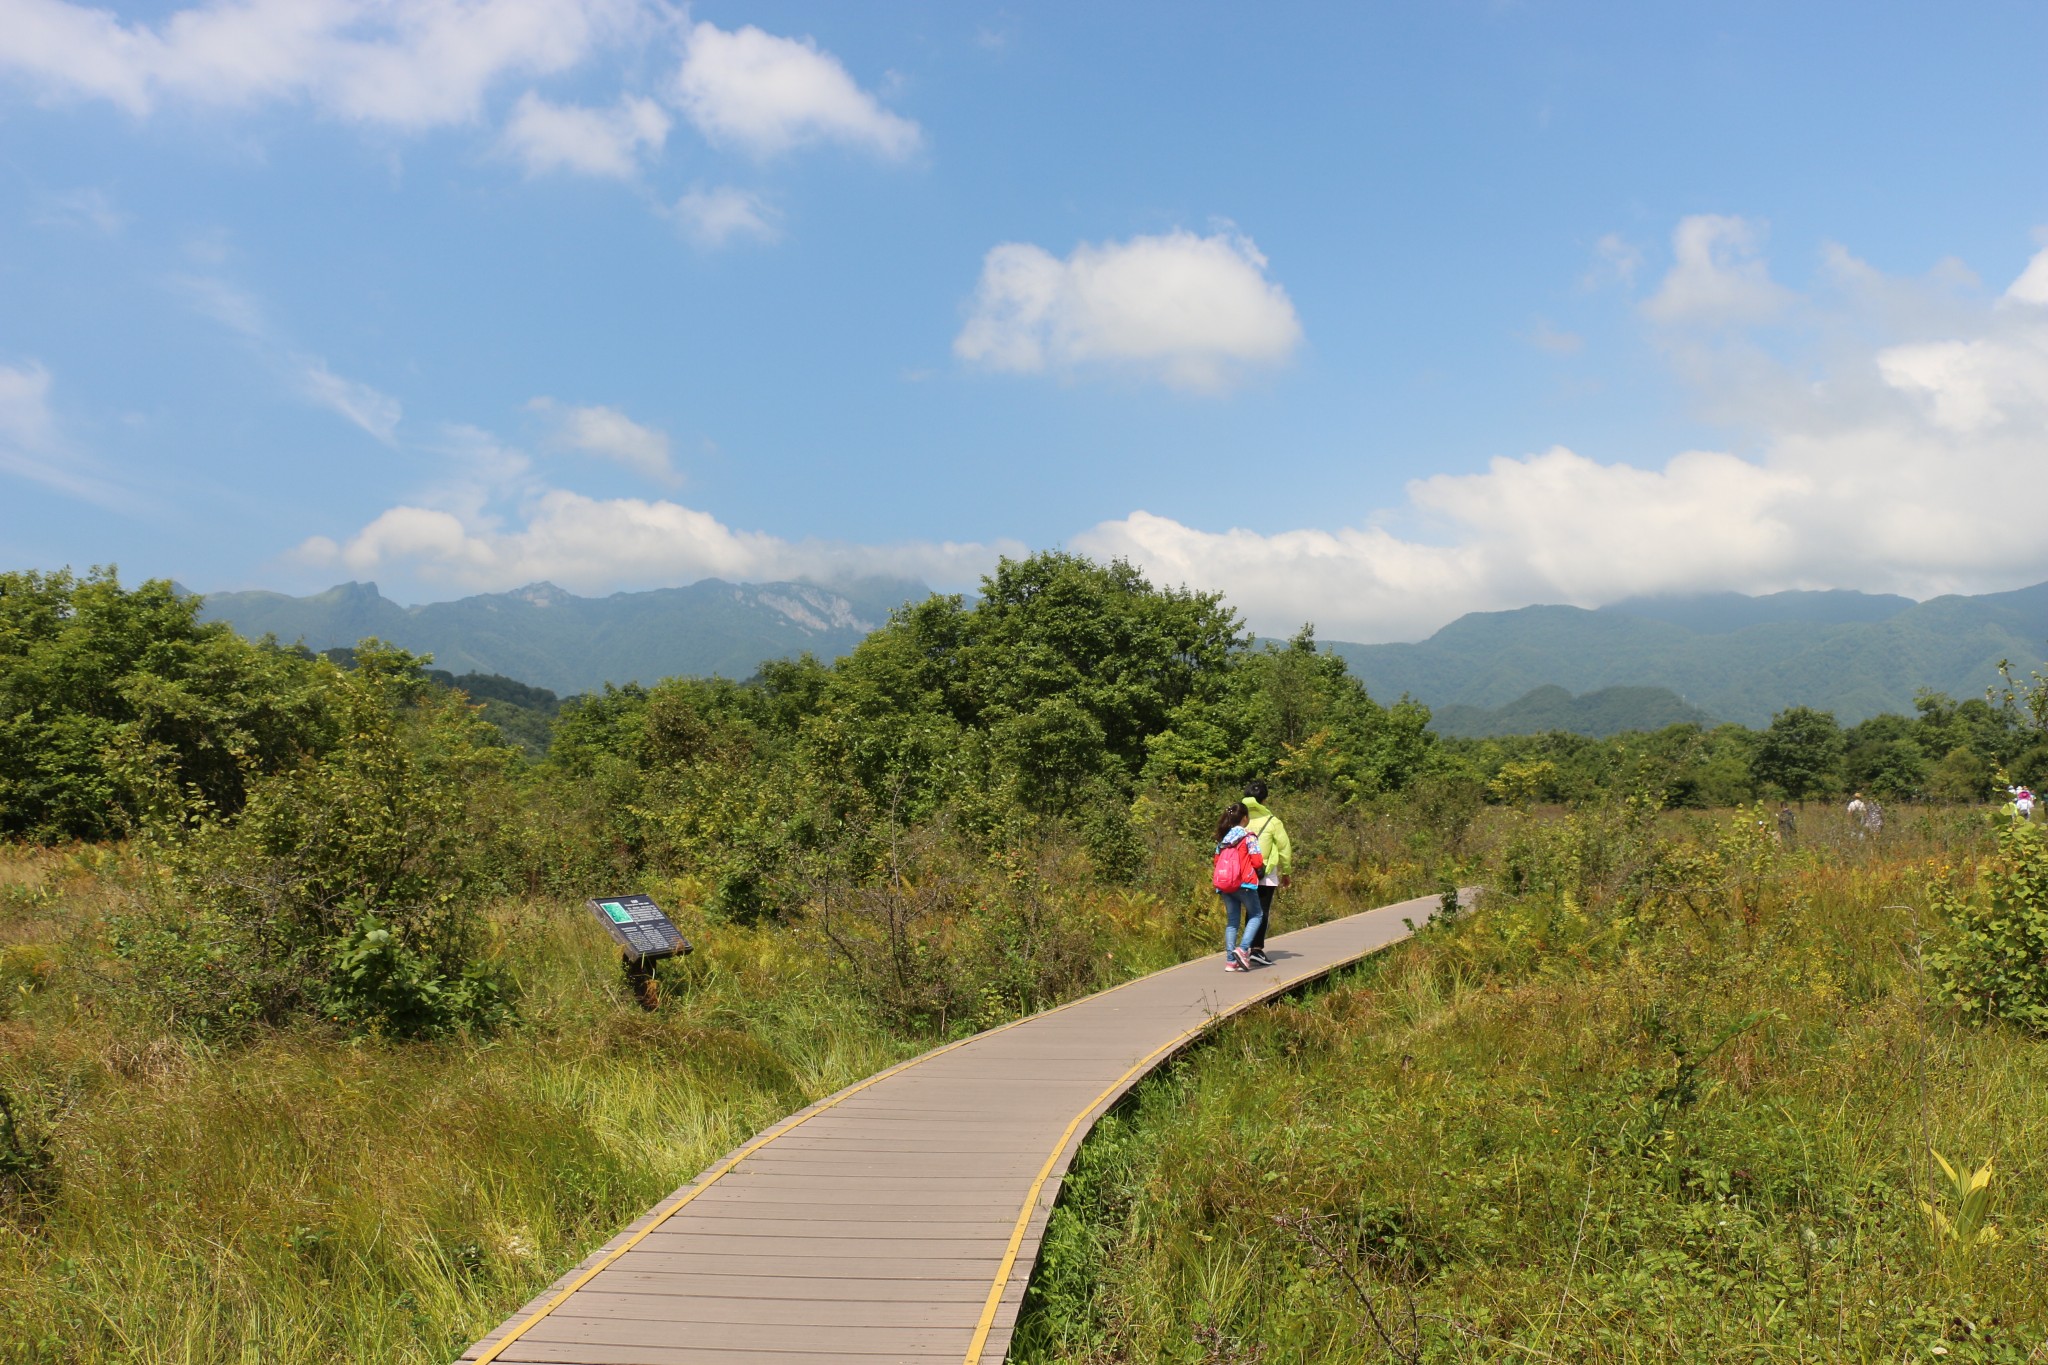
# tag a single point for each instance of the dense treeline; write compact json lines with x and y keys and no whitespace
{"x":1948,"y":752}
{"x":326,"y":824}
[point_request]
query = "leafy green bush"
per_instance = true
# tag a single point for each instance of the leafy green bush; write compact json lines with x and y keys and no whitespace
{"x":375,"y":983}
{"x":1994,"y":961}
{"x":347,"y":887}
{"x":115,"y":701}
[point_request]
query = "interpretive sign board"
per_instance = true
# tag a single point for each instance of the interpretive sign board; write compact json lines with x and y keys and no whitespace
{"x":639,"y":926}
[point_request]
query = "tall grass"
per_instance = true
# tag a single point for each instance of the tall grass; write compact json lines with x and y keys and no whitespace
{"x":302,"y":1198}
{"x":1614,"y":1118}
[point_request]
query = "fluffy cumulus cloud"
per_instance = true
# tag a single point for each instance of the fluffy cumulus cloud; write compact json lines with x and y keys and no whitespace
{"x":602,"y":544}
{"x":1917,"y":465}
{"x":544,"y":136}
{"x":415,"y":65}
{"x":766,"y":94}
{"x":493,"y":520}
{"x":1194,"y":312}
{"x":403,"y":63}
{"x":1719,"y":274}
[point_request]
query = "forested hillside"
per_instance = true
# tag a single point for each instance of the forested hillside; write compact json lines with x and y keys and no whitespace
{"x":1610,"y":711}
{"x":1741,"y":659}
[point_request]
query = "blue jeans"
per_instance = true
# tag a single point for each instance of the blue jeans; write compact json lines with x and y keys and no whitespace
{"x":1240,"y":906}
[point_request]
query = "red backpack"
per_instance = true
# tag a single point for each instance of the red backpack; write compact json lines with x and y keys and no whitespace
{"x":1234,"y":865}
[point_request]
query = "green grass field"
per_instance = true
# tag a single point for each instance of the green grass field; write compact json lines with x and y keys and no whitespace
{"x":1669,"y":1095}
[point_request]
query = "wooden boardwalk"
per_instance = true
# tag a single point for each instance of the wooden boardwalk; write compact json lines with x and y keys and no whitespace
{"x":899,"y":1219}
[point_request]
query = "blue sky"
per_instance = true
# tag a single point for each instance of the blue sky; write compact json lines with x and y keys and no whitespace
{"x":1369,"y":315}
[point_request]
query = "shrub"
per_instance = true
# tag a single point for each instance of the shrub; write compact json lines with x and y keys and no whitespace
{"x":347,"y":887}
{"x":1994,"y":962}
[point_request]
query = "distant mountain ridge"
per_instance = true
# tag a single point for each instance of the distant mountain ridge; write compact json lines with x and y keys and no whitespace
{"x":1738,"y":658}
{"x":1638,"y":663}
{"x":541,"y":635}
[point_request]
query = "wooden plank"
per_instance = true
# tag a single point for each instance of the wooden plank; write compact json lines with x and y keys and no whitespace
{"x":874,"y":1224}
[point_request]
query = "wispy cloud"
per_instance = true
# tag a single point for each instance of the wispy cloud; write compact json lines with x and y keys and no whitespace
{"x":32,"y":446}
{"x":376,"y":413}
{"x":307,"y":375}
{"x":84,"y":210}
{"x":725,"y":214}
{"x":609,"y":434}
{"x":1551,"y":341}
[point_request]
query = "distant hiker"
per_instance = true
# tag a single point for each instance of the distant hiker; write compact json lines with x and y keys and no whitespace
{"x":1857,"y":822}
{"x":1278,"y":849}
{"x":2022,"y":802}
{"x":1873,"y":817}
{"x":1236,"y":878}
{"x":1788,"y":827}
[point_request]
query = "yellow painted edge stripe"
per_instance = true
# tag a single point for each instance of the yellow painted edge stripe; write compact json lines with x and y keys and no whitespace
{"x":790,"y":1125}
{"x":782,"y":1129}
{"x":1009,"y":1261}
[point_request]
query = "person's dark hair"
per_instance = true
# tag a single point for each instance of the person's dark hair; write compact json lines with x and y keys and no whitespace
{"x":1255,"y":789}
{"x":1233,"y":816}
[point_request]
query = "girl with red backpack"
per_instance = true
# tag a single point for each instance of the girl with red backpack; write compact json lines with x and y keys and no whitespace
{"x":1236,"y":879}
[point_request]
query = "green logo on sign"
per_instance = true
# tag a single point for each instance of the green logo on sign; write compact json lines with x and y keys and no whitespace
{"x":617,"y":912}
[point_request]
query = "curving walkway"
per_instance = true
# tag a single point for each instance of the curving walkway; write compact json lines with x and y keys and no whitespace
{"x":899,"y":1219}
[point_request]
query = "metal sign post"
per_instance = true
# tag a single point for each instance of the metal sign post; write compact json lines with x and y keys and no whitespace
{"x":644,"y":935}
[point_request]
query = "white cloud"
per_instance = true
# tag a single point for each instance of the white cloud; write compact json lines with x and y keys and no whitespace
{"x":1193,"y":312}
{"x":722,"y":214}
{"x":25,"y":419}
{"x":403,"y":63}
{"x":1916,"y":466}
{"x":766,"y":95}
{"x":609,"y":434}
{"x":1615,"y":261}
{"x":1552,"y":341}
{"x":600,"y":545}
{"x":1718,"y":275}
{"x":544,"y":136}
{"x":89,"y":210}
{"x":307,"y":375}
{"x":377,"y":413}
{"x":491,"y":522}
{"x":32,"y":448}
{"x":2032,"y":284}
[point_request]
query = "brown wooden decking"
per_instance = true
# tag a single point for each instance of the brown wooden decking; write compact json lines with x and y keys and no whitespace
{"x":899,"y":1219}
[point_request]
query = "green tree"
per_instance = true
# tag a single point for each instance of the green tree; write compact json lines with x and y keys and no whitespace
{"x":1801,"y":753}
{"x":112,"y":700}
